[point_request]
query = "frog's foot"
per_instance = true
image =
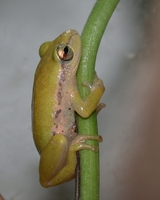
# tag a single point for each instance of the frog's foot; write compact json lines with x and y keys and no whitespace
{"x":100,"y":107}
{"x":79,"y":143}
{"x":97,"y":82}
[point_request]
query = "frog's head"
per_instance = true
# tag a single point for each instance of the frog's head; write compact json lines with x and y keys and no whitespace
{"x":65,"y":51}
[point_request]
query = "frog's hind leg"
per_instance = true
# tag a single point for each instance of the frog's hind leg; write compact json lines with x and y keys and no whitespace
{"x":53,"y":159}
{"x":68,"y":171}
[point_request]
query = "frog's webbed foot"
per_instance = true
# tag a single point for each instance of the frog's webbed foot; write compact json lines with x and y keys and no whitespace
{"x":79,"y":143}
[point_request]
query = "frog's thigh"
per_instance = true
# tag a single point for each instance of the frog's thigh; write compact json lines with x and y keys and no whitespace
{"x":57,"y":163}
{"x":68,"y":172}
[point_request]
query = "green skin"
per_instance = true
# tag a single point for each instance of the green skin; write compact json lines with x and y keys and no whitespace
{"x":55,"y":100}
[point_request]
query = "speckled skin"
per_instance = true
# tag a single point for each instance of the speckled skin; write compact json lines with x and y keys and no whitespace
{"x":55,"y":101}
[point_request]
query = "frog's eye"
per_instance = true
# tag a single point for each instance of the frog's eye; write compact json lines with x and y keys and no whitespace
{"x":43,"y":48}
{"x":64,"y":52}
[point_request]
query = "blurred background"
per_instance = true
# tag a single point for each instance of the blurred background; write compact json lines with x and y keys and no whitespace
{"x":128,"y":61}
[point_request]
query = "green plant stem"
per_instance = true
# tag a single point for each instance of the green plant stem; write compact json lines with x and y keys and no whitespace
{"x":91,"y":37}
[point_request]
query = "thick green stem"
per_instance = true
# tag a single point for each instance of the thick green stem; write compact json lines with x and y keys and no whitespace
{"x":91,"y":37}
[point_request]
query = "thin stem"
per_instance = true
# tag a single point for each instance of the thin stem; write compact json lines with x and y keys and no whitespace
{"x":91,"y":37}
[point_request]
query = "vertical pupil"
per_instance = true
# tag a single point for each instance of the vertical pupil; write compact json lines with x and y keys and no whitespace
{"x":66,"y":50}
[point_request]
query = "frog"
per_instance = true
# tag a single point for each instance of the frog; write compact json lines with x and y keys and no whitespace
{"x":55,"y":102}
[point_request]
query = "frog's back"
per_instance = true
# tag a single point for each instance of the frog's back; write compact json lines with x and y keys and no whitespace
{"x":59,"y":55}
{"x":43,"y":103}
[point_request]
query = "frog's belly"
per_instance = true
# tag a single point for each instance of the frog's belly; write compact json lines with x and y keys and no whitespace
{"x":64,"y":121}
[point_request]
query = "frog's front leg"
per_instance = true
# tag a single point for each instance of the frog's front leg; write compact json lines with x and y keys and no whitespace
{"x":58,"y":159}
{"x":86,"y":107}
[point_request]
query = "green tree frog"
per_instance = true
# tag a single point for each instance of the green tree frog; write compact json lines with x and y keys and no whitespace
{"x":55,"y":100}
